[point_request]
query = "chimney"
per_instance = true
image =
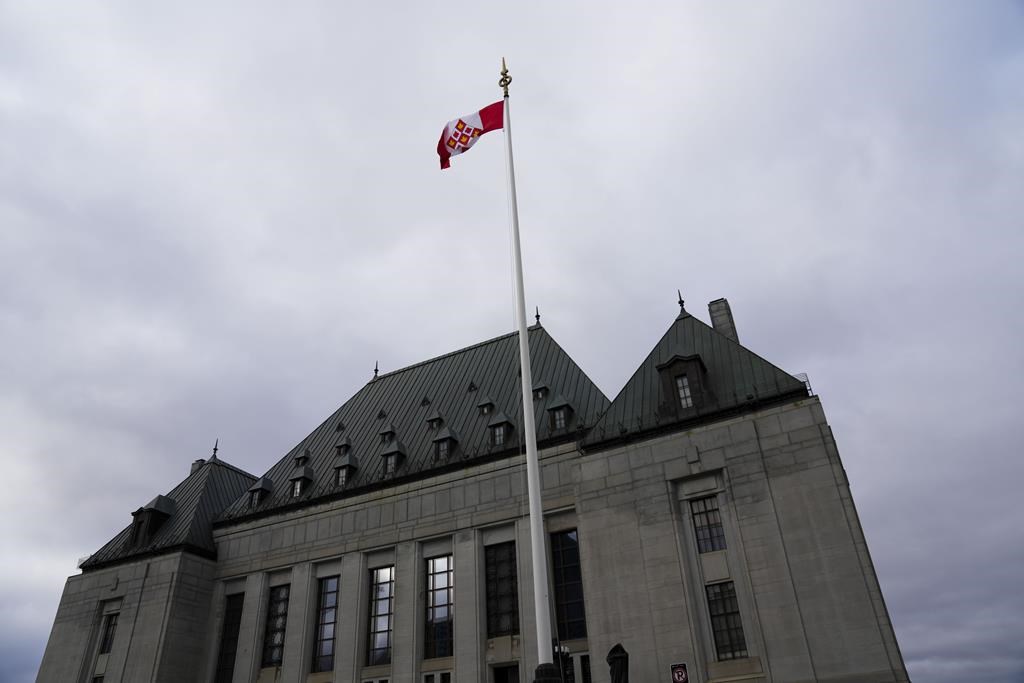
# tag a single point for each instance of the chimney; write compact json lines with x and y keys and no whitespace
{"x":721,"y":318}
{"x":196,"y":465}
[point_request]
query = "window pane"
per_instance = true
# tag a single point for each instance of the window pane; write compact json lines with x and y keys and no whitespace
{"x":229,"y":638}
{"x":725,"y":621}
{"x":277,"y":615}
{"x":381,"y":605}
{"x":568,"y":584}
{"x":707,"y":524}
{"x":438,"y":605}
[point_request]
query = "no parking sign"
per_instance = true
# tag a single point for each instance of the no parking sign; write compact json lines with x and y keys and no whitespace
{"x":679,"y":673}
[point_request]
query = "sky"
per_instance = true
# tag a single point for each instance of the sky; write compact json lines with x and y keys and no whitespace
{"x":215,"y":218}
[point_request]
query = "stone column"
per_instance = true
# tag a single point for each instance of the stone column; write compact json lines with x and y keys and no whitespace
{"x":407,"y":637}
{"x":250,"y":633}
{"x":352,"y":618}
{"x":295,"y":662}
{"x":468,"y":608}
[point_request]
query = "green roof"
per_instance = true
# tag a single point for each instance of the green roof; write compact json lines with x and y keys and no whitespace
{"x":450,"y":386}
{"x":736,"y":380}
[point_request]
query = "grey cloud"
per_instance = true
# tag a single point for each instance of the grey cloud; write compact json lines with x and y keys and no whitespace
{"x":213,"y":222}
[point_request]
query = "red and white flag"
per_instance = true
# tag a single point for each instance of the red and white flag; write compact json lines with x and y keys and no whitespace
{"x":462,"y":133}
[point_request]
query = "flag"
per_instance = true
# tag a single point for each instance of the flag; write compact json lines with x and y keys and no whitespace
{"x":462,"y":133}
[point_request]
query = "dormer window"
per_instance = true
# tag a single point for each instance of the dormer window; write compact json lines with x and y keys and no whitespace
{"x":559,"y":414}
{"x":444,"y":444}
{"x":300,"y":480}
{"x":387,"y":434}
{"x":345,"y":466}
{"x":684,"y":387}
{"x":683,"y":392}
{"x":147,"y":520}
{"x":500,"y":429}
{"x":302,"y":459}
{"x":435,"y":421}
{"x":486,"y":406}
{"x":258,"y":492}
{"x":393,"y":454}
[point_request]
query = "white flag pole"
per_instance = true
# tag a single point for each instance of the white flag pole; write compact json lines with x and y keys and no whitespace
{"x":537,"y":545}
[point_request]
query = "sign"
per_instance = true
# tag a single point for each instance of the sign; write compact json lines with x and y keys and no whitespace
{"x":679,"y":673}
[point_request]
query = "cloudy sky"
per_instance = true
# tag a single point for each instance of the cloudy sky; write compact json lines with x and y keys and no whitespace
{"x":215,"y":219}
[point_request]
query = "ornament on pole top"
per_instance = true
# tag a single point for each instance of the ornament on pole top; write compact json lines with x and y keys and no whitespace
{"x":505,"y":79}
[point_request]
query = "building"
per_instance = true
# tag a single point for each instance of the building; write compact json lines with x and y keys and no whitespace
{"x":702,"y":517}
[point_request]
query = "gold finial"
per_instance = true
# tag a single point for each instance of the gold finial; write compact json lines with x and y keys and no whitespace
{"x":505,"y":78}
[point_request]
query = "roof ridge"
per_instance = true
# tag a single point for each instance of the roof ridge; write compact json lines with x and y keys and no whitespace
{"x":455,"y":353}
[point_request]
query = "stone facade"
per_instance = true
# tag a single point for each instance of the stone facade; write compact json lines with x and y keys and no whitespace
{"x":790,"y":547}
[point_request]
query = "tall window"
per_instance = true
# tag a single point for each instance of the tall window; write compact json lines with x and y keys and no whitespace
{"x":440,"y":604}
{"x":109,"y":628}
{"x":725,"y":621}
{"x":707,"y":524}
{"x":390,"y":465}
{"x":683,"y":389}
{"x":229,"y":638}
{"x":558,"y":417}
{"x":327,"y":617}
{"x":502,"y":589}
{"x":341,"y":476}
{"x":441,"y":449}
{"x":277,"y":619}
{"x":568,"y":580}
{"x":498,"y":435}
{"x":382,"y":610}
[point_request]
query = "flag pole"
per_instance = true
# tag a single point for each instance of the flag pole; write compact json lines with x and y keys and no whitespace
{"x":546,"y":670}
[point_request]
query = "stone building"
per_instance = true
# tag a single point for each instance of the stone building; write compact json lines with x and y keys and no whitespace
{"x":702,"y":517}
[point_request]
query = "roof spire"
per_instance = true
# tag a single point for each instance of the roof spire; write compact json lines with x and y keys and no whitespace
{"x":538,"y":315}
{"x":375,"y":369}
{"x":681,"y":306}
{"x":216,"y":443}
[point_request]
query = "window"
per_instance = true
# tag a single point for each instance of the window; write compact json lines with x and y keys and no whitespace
{"x":707,"y":524}
{"x":229,"y":638}
{"x":97,"y":679}
{"x":440,"y":603}
{"x":725,"y":621}
{"x":277,"y":618}
{"x":341,"y":476}
{"x":683,"y":390}
{"x":390,"y":464}
{"x":498,"y":435}
{"x":254,"y":498}
{"x":568,"y":580}
{"x":438,"y":677}
{"x":558,"y":418}
{"x":327,"y":617}
{"x":441,"y":449}
{"x":109,"y":628}
{"x":502,"y":589}
{"x":382,"y":610}
{"x":297,"y":488}
{"x":585,"y":668}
